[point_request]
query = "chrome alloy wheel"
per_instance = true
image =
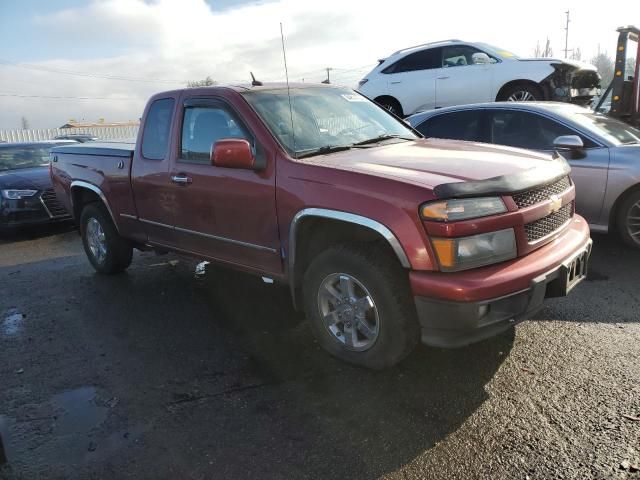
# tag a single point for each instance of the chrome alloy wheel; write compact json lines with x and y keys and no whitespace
{"x":348,"y":311}
{"x":633,"y":222}
{"x":96,"y":240}
{"x":521,"y":96}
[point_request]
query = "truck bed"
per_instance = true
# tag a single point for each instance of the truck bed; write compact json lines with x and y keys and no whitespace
{"x":106,"y":149}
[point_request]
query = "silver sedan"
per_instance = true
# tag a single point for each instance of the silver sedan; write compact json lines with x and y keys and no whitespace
{"x":604,"y":153}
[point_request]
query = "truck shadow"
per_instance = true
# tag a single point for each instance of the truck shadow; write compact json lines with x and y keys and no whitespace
{"x":32,"y":233}
{"x":330,"y":419}
{"x":609,"y":294}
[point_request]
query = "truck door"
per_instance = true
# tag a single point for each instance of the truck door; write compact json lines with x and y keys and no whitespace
{"x":223,"y":213}
{"x":152,"y":189}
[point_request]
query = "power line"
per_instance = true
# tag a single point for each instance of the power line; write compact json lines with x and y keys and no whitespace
{"x":86,"y":74}
{"x":18,"y":95}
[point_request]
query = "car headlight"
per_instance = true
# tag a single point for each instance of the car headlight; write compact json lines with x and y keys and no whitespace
{"x":18,"y":194}
{"x":462,"y":253}
{"x":462,"y":208}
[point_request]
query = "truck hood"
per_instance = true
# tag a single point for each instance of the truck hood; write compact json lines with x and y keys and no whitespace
{"x":433,"y":162}
{"x":36,"y":178}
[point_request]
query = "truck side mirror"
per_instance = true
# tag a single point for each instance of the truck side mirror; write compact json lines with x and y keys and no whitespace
{"x":571,"y":143}
{"x":232,"y":153}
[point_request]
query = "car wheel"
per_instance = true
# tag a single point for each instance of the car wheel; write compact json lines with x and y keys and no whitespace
{"x":107,"y":251}
{"x":628,"y":220}
{"x":359,"y":304}
{"x":392,"y":105}
{"x":521,"y":92}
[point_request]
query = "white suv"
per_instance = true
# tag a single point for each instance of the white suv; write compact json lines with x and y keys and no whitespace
{"x":454,"y":72}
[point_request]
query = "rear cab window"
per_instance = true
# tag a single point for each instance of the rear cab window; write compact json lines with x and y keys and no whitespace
{"x":157,"y":129}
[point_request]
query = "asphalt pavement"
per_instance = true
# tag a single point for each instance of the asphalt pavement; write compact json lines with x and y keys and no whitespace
{"x":158,"y":373}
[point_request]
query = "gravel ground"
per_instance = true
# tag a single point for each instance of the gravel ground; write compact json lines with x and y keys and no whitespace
{"x":158,"y":374}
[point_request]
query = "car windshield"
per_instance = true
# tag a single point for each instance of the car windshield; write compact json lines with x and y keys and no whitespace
{"x":13,"y":158}
{"x":501,"y":52}
{"x":325,"y":119}
{"x":613,"y":130}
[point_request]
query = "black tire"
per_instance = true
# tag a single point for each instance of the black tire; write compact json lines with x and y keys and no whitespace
{"x":387,"y":284}
{"x":528,"y":91}
{"x":392,"y":105}
{"x":119,"y":251}
{"x":627,"y":219}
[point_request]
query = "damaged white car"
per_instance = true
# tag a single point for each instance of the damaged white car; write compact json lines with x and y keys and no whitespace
{"x":454,"y":72}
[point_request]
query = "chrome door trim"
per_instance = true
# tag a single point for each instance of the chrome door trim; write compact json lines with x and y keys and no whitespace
{"x":227,"y":240}
{"x":343,"y":217}
{"x":212,"y":237}
{"x":96,"y":190}
{"x":126,"y":215}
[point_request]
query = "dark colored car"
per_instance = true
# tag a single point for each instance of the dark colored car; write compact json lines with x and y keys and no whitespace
{"x":78,"y":137}
{"x":383,"y":237}
{"x":26,"y":194}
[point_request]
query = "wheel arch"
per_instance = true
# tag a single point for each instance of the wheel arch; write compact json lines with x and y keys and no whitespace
{"x":522,"y":81}
{"x":391,"y":98}
{"x":613,"y":213}
{"x":82,"y":193}
{"x":314,"y":229}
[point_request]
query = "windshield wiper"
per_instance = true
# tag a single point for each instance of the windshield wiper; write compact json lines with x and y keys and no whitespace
{"x":382,"y":138}
{"x":322,"y":150}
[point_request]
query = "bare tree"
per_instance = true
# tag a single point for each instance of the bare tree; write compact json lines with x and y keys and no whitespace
{"x":604,"y":63}
{"x":207,"y":82}
{"x":576,"y":54}
{"x":24,"y":123}
{"x":547,"y":51}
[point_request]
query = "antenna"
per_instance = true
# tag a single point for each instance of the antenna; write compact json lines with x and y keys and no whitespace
{"x":286,"y":73}
{"x":254,"y":82}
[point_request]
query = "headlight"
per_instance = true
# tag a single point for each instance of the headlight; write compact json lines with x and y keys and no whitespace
{"x":476,"y":251}
{"x":18,"y":194}
{"x":462,"y":208}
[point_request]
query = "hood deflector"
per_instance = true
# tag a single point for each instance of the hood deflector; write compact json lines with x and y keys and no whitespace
{"x":545,"y":174}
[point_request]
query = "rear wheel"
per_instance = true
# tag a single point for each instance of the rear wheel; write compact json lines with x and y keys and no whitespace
{"x":391,"y":104}
{"x":107,"y":251}
{"x":521,"y":92}
{"x":358,"y":302}
{"x":628,"y":220}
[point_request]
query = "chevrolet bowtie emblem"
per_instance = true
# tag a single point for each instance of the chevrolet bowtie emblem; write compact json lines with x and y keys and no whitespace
{"x":556,"y":203}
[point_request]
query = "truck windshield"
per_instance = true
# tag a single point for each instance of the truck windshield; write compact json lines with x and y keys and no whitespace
{"x":325,"y":119}
{"x":13,"y":158}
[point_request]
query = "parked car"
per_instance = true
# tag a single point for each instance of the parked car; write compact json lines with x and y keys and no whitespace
{"x":604,"y":153}
{"x":26,"y":194}
{"x":78,"y":137}
{"x":383,"y":237}
{"x":454,"y":72}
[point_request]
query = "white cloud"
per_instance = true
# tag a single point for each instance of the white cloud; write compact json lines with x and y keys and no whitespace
{"x":185,"y":39}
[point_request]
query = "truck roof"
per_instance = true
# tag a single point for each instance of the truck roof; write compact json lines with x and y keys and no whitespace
{"x":246,"y":87}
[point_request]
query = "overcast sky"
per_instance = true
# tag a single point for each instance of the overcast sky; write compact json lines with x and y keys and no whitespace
{"x":150,"y":46}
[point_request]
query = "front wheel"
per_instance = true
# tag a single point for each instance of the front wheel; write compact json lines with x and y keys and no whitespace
{"x":628,"y":220}
{"x":521,"y":92}
{"x":358,"y":302}
{"x":107,"y":251}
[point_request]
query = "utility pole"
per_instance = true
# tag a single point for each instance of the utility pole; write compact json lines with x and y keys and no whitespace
{"x":566,"y":36}
{"x":328,"y":80}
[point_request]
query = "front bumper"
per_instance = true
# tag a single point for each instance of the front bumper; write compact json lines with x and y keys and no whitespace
{"x":452,"y":322}
{"x":31,"y":211}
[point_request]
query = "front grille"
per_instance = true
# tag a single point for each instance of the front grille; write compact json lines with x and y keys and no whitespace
{"x":549,"y":224}
{"x":54,"y":207}
{"x":537,"y":195}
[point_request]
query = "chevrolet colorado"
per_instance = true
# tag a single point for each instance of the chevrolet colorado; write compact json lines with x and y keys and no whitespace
{"x":384,"y":238}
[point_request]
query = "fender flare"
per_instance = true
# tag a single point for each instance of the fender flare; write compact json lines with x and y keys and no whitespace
{"x":96,"y":190}
{"x":360,"y":220}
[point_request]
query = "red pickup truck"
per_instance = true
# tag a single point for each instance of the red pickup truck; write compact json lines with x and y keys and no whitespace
{"x":383,"y":237}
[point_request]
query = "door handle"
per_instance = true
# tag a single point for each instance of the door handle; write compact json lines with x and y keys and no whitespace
{"x":395,"y":83}
{"x":181,"y":179}
{"x":443,"y":78}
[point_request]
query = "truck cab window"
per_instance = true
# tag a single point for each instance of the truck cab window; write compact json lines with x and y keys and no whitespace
{"x":155,"y":138}
{"x":202,"y":127}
